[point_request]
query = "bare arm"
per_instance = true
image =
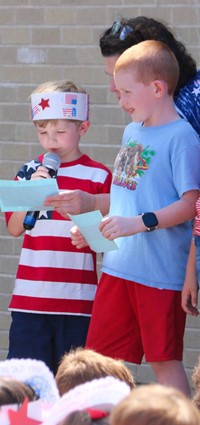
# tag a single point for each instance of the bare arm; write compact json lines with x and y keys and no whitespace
{"x":78,"y":202}
{"x":190,"y":288}
{"x":15,"y":224}
{"x":172,"y":215}
{"x":115,"y":226}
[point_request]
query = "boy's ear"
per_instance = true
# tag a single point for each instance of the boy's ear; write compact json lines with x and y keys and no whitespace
{"x":84,"y":127}
{"x":159,"y":87}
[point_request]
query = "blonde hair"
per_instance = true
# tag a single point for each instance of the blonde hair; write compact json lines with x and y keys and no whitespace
{"x":64,"y":86}
{"x":83,"y":365}
{"x":152,"y":60}
{"x":196,"y":382}
{"x":155,"y":404}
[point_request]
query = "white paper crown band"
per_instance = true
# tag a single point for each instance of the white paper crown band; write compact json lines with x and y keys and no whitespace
{"x":60,"y":105}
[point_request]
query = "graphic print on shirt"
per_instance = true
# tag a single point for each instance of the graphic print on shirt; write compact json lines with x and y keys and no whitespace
{"x":131,"y":163}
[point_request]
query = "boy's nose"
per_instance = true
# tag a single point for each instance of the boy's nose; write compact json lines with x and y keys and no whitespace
{"x":121,"y":103}
{"x":52,"y":139}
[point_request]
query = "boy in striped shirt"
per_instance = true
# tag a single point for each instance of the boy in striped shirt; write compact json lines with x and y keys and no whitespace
{"x":55,"y":284}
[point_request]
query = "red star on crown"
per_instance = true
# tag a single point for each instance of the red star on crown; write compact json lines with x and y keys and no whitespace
{"x":44,"y":103}
{"x":20,"y":417}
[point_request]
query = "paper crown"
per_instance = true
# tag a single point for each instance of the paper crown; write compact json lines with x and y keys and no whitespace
{"x":34,"y":373}
{"x":98,"y":397}
{"x":29,"y":413}
{"x":38,"y":376}
{"x":102,"y":393}
{"x":60,"y":105}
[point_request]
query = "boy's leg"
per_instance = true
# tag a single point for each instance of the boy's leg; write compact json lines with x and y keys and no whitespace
{"x":69,"y":332}
{"x":162,"y":322}
{"x":114,"y":327}
{"x":30,"y":337}
{"x":172,"y":373}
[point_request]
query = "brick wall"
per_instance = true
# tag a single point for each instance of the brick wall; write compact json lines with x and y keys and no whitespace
{"x":42,"y":41}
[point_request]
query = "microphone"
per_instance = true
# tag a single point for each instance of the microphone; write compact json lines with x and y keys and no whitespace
{"x":52,"y":162}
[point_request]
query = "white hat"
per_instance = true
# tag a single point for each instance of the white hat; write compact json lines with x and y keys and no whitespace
{"x":38,"y":376}
{"x":59,"y":105}
{"x":34,"y":373}
{"x":102,"y":393}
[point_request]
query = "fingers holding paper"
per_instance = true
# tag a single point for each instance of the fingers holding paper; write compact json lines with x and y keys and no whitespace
{"x":71,"y":202}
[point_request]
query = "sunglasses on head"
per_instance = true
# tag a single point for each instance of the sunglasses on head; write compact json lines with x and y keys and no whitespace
{"x":120,"y":30}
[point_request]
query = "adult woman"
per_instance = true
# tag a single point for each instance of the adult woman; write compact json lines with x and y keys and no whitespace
{"x":113,"y":42}
{"x":127,"y":32}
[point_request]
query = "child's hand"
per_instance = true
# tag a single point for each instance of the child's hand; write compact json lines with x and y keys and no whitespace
{"x":115,"y":227}
{"x":189,"y":297}
{"x":77,"y":238}
{"x":71,"y":202}
{"x":40,"y":173}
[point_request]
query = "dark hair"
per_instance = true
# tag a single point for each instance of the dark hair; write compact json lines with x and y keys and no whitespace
{"x":13,"y":391}
{"x":82,"y":417}
{"x":128,"y":32}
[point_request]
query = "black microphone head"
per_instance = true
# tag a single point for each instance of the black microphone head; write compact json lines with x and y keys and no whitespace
{"x":51,"y":161}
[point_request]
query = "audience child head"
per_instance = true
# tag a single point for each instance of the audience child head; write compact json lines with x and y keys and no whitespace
{"x":13,"y":391}
{"x":155,"y":404}
{"x":31,"y":374}
{"x":86,"y":417}
{"x":96,"y":397}
{"x":83,"y":365}
{"x":196,"y":382}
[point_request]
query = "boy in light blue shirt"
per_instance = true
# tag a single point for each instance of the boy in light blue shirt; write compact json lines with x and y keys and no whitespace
{"x":156,"y":181}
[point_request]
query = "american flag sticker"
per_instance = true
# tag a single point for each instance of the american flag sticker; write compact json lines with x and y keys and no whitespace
{"x":35,"y":110}
{"x":71,"y":99}
{"x":69,"y":112}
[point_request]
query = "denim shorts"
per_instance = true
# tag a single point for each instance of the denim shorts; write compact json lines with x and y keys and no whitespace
{"x":197,"y":244}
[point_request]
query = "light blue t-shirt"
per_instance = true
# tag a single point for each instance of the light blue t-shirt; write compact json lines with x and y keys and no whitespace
{"x":153,"y":169}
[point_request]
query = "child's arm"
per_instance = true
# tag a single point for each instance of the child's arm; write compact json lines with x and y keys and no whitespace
{"x":190,"y":288}
{"x":78,"y":202}
{"x":172,"y":215}
{"x":15,"y":223}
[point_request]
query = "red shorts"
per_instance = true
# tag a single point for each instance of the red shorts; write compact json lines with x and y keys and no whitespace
{"x":130,"y":320}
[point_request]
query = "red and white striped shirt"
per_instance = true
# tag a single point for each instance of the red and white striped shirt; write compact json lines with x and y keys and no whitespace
{"x":53,"y":276}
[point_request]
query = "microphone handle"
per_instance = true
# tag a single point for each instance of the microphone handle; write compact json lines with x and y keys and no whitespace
{"x":52,"y":172}
{"x":30,"y":219}
{"x":32,"y":216}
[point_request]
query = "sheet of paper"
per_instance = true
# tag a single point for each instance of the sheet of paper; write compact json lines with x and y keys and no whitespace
{"x":26,"y":195}
{"x":88,"y":224}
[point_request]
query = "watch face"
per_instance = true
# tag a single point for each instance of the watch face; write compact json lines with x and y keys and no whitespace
{"x":150,"y":220}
